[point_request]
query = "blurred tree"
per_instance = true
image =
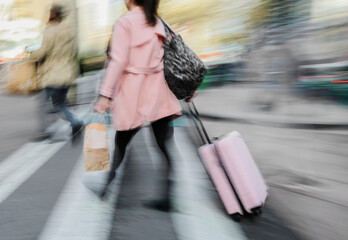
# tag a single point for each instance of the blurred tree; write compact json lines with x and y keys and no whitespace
{"x":179,"y":12}
{"x":259,"y":14}
{"x":279,"y":13}
{"x":210,"y":26}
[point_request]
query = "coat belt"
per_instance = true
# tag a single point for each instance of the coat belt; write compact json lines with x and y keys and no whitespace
{"x":144,"y":70}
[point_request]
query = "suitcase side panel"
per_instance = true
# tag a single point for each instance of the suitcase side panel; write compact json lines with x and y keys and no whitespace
{"x":242,"y":171}
{"x":219,"y":179}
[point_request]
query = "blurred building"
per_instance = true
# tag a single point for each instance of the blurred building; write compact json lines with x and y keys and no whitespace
{"x":95,"y":23}
{"x":216,"y":30}
{"x":328,"y":10}
{"x":23,"y":22}
{"x":35,"y":9}
{"x":5,"y":7}
{"x":325,"y":39}
{"x":273,"y":25}
{"x":288,"y":13}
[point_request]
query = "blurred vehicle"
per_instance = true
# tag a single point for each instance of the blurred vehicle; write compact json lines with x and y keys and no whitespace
{"x":92,"y":64}
{"x":223,"y":73}
{"x":324,"y":80}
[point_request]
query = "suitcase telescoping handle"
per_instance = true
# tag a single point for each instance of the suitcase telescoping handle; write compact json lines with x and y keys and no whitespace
{"x":198,"y":123}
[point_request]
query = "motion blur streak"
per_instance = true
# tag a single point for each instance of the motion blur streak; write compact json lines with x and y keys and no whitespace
{"x":277,"y":73}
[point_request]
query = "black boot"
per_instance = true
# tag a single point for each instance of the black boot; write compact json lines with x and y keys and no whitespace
{"x":163,"y":205}
{"x":102,"y":195}
{"x":77,"y":130}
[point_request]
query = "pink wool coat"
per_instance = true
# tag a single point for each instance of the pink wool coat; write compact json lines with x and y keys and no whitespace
{"x":135,"y":78}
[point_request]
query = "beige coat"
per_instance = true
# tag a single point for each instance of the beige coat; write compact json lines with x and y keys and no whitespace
{"x":57,"y":57}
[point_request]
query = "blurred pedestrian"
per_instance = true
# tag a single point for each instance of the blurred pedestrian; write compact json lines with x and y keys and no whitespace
{"x":135,"y":88}
{"x":58,"y":67}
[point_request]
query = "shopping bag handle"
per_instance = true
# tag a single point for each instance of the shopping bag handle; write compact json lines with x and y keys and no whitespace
{"x":95,"y":117}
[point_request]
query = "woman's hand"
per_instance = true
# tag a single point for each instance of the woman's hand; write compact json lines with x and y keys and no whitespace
{"x":102,"y":105}
{"x":189,"y":99}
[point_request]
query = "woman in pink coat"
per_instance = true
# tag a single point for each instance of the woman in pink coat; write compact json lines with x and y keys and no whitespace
{"x":134,"y":86}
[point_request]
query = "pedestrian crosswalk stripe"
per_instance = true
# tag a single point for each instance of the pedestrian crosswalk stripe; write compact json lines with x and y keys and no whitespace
{"x":23,"y":163}
{"x":79,"y":213}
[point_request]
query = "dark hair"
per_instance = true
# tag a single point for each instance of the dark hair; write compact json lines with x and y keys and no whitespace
{"x":150,"y":8}
{"x":58,"y":10}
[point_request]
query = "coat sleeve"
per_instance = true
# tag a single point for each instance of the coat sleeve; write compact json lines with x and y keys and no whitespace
{"x":119,"y":58}
{"x":46,"y":46}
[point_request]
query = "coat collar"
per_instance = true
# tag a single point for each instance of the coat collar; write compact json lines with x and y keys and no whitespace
{"x":141,"y":35}
{"x":137,"y":10}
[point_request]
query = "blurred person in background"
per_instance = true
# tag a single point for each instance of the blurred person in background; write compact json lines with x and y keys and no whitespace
{"x":57,"y":69}
{"x":136,"y":90}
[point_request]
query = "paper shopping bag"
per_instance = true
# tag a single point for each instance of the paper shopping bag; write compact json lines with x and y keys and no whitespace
{"x":96,"y":147}
{"x":20,"y":78}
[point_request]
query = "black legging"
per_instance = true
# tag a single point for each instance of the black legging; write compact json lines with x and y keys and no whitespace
{"x":162,"y":132}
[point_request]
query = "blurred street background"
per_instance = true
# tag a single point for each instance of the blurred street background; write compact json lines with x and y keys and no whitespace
{"x":277,"y":73}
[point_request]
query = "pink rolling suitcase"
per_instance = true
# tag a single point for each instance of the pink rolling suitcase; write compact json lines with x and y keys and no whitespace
{"x":233,"y":172}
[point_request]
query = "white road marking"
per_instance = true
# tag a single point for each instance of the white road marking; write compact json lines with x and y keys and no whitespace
{"x":23,"y":163}
{"x":18,"y":167}
{"x":79,"y":213}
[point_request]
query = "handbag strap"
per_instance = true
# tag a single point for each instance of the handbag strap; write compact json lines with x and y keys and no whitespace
{"x":167,"y":29}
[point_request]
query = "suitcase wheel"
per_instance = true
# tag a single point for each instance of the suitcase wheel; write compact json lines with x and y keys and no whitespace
{"x":256,"y":211}
{"x":236,"y":217}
